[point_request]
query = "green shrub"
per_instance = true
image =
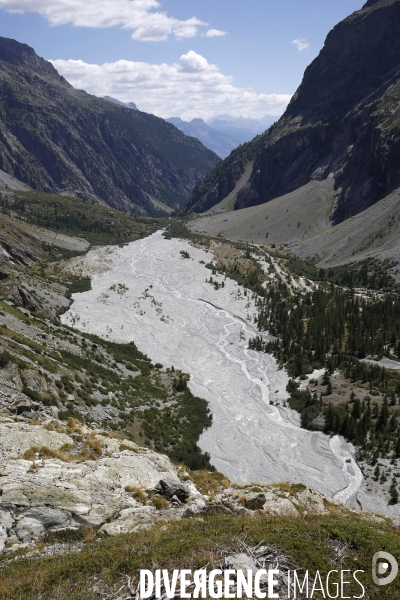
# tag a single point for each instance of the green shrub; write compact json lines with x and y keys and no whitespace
{"x":5,"y":358}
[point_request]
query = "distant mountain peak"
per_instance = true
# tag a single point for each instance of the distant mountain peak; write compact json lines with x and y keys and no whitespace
{"x":130,"y":105}
{"x":14,"y":52}
{"x":217,"y":141}
{"x":221,"y":117}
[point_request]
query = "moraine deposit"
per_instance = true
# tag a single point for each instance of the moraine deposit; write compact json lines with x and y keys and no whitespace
{"x":149,"y":292}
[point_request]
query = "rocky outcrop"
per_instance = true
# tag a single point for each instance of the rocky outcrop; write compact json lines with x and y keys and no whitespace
{"x":48,"y":484}
{"x":56,"y":475}
{"x":60,"y":140}
{"x":16,"y":247}
{"x":343,"y":122}
{"x":18,"y":254}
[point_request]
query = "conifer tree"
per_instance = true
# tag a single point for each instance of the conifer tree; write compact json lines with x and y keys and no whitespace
{"x":394,"y":494}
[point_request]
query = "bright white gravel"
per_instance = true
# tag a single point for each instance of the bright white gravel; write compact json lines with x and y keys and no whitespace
{"x":147,"y":292}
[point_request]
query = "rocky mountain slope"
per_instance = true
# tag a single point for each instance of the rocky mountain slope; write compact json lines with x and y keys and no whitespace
{"x":224,"y":179}
{"x":342,"y":123}
{"x":130,"y":105}
{"x":220,"y":143}
{"x":61,"y":140}
{"x":300,"y":221}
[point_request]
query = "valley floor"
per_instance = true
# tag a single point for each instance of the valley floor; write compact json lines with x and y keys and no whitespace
{"x":301,"y":222}
{"x":157,"y":293}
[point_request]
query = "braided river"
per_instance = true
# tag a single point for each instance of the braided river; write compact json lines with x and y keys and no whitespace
{"x":148,"y":292}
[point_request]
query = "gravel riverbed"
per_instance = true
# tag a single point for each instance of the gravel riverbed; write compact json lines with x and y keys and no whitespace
{"x":148,"y":292}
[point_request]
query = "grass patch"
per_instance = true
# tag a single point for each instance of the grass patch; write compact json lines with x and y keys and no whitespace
{"x":91,"y":449}
{"x":192,"y":543}
{"x":208,"y":482}
{"x":137,"y":493}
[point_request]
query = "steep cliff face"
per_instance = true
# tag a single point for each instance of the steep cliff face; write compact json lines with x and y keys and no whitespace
{"x":343,"y":121}
{"x":61,"y":140}
{"x":223,"y":179}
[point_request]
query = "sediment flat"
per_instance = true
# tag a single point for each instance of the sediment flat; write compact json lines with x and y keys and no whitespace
{"x":147,"y":292}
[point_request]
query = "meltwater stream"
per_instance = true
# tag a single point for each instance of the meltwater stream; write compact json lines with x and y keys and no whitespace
{"x":148,"y":292}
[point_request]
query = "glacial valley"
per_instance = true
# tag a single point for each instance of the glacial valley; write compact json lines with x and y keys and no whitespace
{"x":157,"y":292}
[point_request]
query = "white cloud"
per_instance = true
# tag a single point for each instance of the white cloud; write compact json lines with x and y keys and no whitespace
{"x":194,"y":63}
{"x":301,"y":44}
{"x":141,"y":16}
{"x":190,"y":88}
{"x":216,"y":33}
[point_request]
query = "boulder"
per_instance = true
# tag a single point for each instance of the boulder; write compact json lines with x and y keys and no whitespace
{"x":255,"y":501}
{"x":169,"y":487}
{"x":27,"y":529}
{"x":52,"y":519}
{"x":131,"y":519}
{"x":196,"y":507}
{"x":278,"y":504}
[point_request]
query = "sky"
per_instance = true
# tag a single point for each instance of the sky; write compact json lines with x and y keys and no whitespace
{"x":182,"y":58}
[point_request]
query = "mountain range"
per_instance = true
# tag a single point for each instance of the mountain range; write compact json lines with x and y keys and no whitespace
{"x":223,"y":133}
{"x":60,"y":140}
{"x":243,"y":129}
{"x":341,"y":126}
{"x":220,"y":143}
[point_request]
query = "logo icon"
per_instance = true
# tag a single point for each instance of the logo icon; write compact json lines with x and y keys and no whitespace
{"x":384,"y":568}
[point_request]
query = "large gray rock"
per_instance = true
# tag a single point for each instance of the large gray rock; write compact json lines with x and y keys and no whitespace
{"x":52,"y":519}
{"x":35,"y":522}
{"x":51,"y":494}
{"x":196,"y":507}
{"x":28,"y":529}
{"x":169,"y":487}
{"x":131,"y":519}
{"x":255,"y":501}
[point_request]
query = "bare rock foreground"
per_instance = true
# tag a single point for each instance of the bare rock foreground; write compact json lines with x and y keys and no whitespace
{"x":57,"y":476}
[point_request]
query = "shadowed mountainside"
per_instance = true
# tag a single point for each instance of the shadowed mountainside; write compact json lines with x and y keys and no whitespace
{"x":343,"y":122}
{"x":57,"y":139}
